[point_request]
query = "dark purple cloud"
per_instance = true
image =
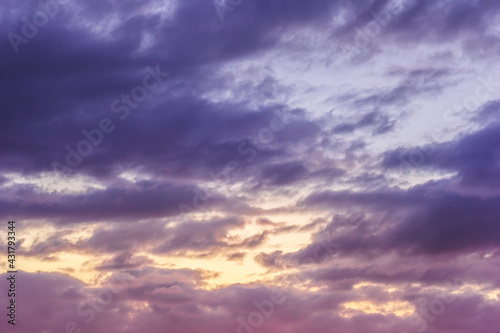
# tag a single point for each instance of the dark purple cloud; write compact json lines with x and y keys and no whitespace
{"x":143,"y":200}
{"x":475,"y":157}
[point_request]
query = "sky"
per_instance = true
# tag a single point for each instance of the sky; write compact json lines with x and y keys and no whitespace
{"x":251,"y":165}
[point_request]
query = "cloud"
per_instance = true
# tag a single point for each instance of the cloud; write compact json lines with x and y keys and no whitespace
{"x":474,"y":157}
{"x":181,"y":307}
{"x":144,"y":200}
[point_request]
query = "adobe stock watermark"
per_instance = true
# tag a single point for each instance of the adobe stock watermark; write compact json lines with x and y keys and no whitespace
{"x":122,"y":107}
{"x":223,"y":6}
{"x":47,"y":10}
{"x":428,"y":311}
{"x":264,"y":309}
{"x":87,"y":309}
{"x":365,"y":35}
{"x":252,"y":146}
{"x":483,"y":91}
{"x":264,"y":136}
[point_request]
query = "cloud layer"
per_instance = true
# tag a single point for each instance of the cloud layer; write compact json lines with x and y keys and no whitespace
{"x":252,"y":166}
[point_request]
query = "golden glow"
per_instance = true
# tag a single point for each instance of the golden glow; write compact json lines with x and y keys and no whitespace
{"x":398,"y":308}
{"x":67,"y":263}
{"x":229,"y":272}
{"x":483,"y":290}
{"x":82,"y":266}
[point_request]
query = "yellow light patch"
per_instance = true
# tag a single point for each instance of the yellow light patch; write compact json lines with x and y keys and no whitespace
{"x":66,"y":263}
{"x":398,"y":308}
{"x":230,"y":272}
